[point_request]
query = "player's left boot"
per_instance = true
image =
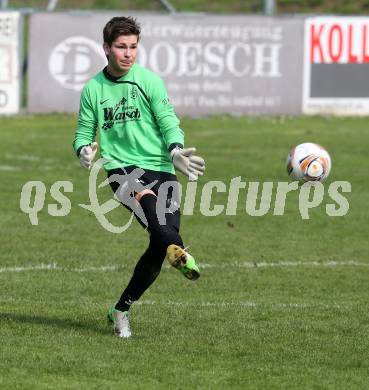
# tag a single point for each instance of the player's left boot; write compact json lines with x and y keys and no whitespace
{"x":183,"y":261}
{"x":120,"y":322}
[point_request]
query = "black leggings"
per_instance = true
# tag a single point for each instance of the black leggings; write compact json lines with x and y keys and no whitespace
{"x":161,"y":235}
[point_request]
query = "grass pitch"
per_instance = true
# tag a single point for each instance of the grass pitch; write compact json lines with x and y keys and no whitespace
{"x":282,"y":302}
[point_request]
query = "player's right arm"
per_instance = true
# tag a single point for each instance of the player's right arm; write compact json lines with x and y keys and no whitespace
{"x":85,"y":134}
{"x":87,"y":122}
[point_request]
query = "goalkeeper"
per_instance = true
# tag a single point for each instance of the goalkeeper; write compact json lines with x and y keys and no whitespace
{"x":138,"y":132}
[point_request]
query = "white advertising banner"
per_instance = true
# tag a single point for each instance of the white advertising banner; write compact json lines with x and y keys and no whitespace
{"x":10,"y":61}
{"x":336,"y":66}
{"x":210,"y":64}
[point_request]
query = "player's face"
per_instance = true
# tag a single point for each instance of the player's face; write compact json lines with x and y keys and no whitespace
{"x":121,"y":54}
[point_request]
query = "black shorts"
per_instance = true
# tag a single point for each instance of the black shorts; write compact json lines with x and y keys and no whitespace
{"x":138,"y":179}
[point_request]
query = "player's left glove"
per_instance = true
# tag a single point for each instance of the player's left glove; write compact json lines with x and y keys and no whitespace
{"x":185,"y":162}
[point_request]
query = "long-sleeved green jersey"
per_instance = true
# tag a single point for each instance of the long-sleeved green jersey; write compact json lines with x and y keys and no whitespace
{"x":136,"y":121}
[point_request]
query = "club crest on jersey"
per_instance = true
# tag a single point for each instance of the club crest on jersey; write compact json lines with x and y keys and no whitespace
{"x":134,"y":92}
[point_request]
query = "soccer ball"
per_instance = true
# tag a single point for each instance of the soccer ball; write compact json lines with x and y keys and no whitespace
{"x":308,"y":162}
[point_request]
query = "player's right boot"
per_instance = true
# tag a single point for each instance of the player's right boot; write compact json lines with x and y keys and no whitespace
{"x":183,"y":261}
{"x":120,"y":322}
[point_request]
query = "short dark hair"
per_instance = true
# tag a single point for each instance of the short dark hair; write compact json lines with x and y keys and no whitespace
{"x":120,"y":25}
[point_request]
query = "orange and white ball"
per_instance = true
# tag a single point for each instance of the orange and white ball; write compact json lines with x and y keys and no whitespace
{"x":308,"y":162}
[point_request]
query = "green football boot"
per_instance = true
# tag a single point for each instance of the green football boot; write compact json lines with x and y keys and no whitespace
{"x":120,"y":322}
{"x":183,"y":261}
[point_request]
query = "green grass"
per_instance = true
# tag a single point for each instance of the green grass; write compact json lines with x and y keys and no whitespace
{"x":293,"y":327}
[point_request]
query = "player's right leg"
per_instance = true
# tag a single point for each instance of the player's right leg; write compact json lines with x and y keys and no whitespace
{"x":120,"y":322}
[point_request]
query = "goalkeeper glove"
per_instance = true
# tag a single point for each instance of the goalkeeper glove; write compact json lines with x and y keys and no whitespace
{"x":87,"y":154}
{"x":185,"y":162}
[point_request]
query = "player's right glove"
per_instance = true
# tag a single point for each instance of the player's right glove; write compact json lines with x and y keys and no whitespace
{"x":185,"y":162}
{"x":87,"y":155}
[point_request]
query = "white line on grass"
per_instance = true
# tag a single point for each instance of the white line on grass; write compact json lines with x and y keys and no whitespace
{"x":8,"y":168}
{"x":56,"y":267}
{"x":239,"y":305}
{"x":251,"y":304}
{"x":11,"y":168}
{"x":107,"y":268}
{"x":23,"y":157}
{"x":37,"y":267}
{"x":265,"y":264}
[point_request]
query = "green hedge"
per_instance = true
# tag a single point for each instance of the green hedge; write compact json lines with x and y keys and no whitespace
{"x":218,"y":6}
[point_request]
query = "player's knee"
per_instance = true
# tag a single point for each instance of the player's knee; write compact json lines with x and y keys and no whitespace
{"x":139,"y":195}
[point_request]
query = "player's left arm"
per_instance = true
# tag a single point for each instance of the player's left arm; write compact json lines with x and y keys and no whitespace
{"x":165,"y":116}
{"x":184,"y":160}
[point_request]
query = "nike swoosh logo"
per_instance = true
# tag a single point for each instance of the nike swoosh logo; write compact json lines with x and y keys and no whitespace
{"x":104,"y":101}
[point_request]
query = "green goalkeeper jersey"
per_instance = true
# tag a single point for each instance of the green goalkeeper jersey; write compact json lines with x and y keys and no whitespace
{"x":136,"y":121}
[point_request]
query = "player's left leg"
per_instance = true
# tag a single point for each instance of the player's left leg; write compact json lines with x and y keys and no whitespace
{"x":179,"y":258}
{"x":168,"y":237}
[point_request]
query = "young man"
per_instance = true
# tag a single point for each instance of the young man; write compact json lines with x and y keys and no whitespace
{"x":141,"y":143}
